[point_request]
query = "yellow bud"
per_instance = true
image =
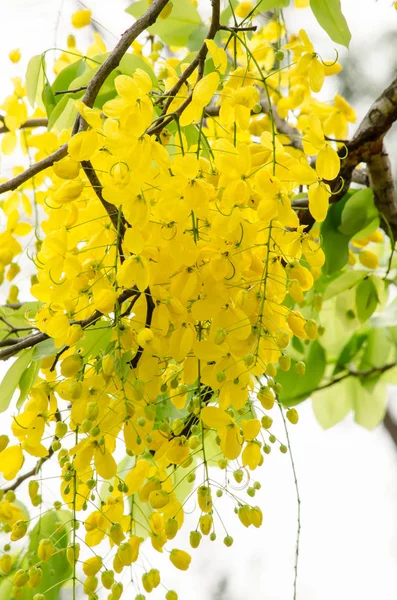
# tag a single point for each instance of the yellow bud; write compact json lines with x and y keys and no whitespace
{"x":71,"y":365}
{"x":35,"y":577}
{"x":67,"y":168}
{"x":244,"y":514}
{"x":4,"y":439}
{"x":81,"y":18}
{"x":107,"y":578}
{"x":368,"y":259}
{"x":293,"y":416}
{"x":205,"y":524}
{"x":220,"y":335}
{"x":5,"y":564}
{"x":90,"y":584}
{"x":68,"y":191}
{"x":116,"y":533}
{"x":180,"y":559}
{"x":204,"y":498}
{"x":171,"y":528}
{"x":20,"y":578}
{"x":266,"y":397}
{"x":73,"y":553}
{"x":108,"y":365}
{"x":45,"y":550}
{"x":19,"y":530}
{"x":33,"y":489}
{"x":15,"y":55}
{"x":256,"y":516}
{"x":92,"y":565}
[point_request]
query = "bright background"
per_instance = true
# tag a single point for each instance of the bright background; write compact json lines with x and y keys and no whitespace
{"x":347,"y":476}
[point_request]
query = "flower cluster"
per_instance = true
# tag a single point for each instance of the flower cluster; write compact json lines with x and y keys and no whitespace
{"x":170,"y":270}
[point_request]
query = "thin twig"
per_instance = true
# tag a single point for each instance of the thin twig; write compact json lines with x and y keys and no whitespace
{"x":79,"y":89}
{"x":32,"y":340}
{"x":298,"y":500}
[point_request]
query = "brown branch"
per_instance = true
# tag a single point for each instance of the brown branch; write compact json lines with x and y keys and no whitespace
{"x":390,"y":426}
{"x":351,"y":373}
{"x":110,"y":208}
{"x":150,"y":306}
{"x":237,"y":28}
{"x":30,"y":123}
{"x":367,"y":146}
{"x":32,"y":340}
{"x":111,"y":63}
{"x":381,"y":181}
{"x":79,"y":89}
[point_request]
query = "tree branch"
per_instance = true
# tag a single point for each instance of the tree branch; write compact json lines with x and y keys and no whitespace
{"x":32,"y":340}
{"x":30,"y":123}
{"x":110,"y":208}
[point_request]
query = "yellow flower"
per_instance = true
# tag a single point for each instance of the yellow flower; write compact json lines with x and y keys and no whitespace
{"x":92,"y":565}
{"x":368,"y":259}
{"x":15,"y":55}
{"x":218,"y":55}
{"x":180,"y":559}
{"x":81,"y":18}
{"x":243,"y":9}
{"x":11,"y":461}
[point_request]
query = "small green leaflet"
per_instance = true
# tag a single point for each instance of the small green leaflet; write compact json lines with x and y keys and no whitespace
{"x":330,"y":17}
{"x":177,"y":28}
{"x":27,"y":381}
{"x":35,"y":78}
{"x":346,"y":281}
{"x":331,"y":405}
{"x":366,"y":299}
{"x":12,"y":378}
{"x":359,"y":212}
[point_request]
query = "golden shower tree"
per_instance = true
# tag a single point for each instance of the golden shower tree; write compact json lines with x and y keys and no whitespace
{"x":197,"y":225}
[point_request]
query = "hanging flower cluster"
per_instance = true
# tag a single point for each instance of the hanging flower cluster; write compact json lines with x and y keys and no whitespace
{"x":170,"y":267}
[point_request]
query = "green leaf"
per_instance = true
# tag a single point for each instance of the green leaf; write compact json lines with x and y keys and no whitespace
{"x":335,"y":243}
{"x":35,"y":78}
{"x":95,"y":339}
{"x":359,"y":212}
{"x":67,"y":76}
{"x":366,"y":299}
{"x":378,"y":352}
{"x":44,"y":349}
{"x":369,"y":405}
{"x":131,"y":62}
{"x":350,"y":351}
{"x":12,"y":377}
{"x":331,"y":405}
{"x":177,"y":28}
{"x":346,"y":281}
{"x":27,"y":381}
{"x":296,"y":388}
{"x":48,"y":99}
{"x":64,"y":113}
{"x":329,"y":15}
{"x":55,"y":525}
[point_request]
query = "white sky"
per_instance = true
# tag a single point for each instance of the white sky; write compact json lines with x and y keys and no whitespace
{"x":347,"y":476}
